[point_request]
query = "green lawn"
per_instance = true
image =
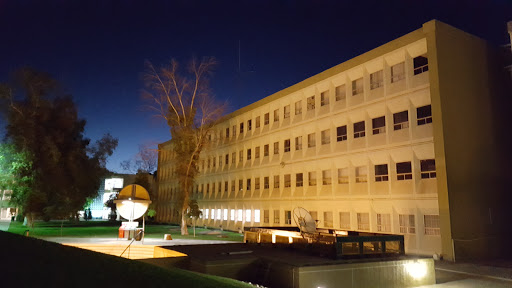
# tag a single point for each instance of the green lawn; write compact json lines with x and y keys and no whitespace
{"x":106,"y":229}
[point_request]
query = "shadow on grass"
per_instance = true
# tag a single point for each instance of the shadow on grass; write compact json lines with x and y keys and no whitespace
{"x":33,"y":262}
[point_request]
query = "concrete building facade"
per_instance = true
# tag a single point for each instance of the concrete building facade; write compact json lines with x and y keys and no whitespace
{"x":385,"y":142}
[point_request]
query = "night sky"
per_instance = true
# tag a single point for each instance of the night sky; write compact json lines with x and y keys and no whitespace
{"x":97,"y":49}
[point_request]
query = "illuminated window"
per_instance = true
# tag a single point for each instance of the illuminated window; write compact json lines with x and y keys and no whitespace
{"x":257,"y":183}
{"x":424,"y":115}
{"x":276,"y":148}
{"x":266,"y":184}
{"x":311,"y":140}
{"x":286,"y":111}
{"x":328,"y":221}
{"x":376,"y":80}
{"x":287,"y":145}
{"x":277,"y":220}
{"x":381,"y":172}
{"x":247,"y":215}
{"x":287,"y":217}
{"x":276,"y":181}
{"x":357,"y":87}
{"x":258,"y":122}
{"x":324,"y":98}
{"x":428,"y":168}
{"x":287,"y":180}
{"x":265,"y":150}
{"x":312,"y":178}
{"x":225,"y":214}
{"x":379,"y":125}
{"x":363,"y":221}
{"x":403,"y":171}
{"x":266,"y":216}
{"x":257,"y":152}
{"x":420,"y":64}
{"x":219,"y":214}
{"x":345,"y":220}
{"x":432,"y":225}
{"x":298,"y":143}
{"x":256,"y":216}
{"x":340,"y":92}
{"x":310,"y":103}
{"x":232,"y":214}
{"x":343,"y":176}
{"x":407,"y":224}
{"x":276,"y":115}
{"x":205,"y":213}
{"x":361,"y":174}
{"x":326,"y":177}
{"x":383,"y":223}
{"x":299,"y":180}
{"x":401,"y":120}
{"x":397,"y":72}
{"x":341,"y":133}
{"x":326,"y":137}
{"x":249,"y":154}
{"x":298,"y":107}
{"x":266,"y":119}
{"x":213,"y":214}
{"x":359,"y":129}
{"x":239,"y":215}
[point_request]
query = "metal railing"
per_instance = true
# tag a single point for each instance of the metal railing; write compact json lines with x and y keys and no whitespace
{"x":131,"y":242}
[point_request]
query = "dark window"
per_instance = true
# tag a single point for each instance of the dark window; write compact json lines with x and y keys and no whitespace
{"x":265,"y":150}
{"x":381,"y":172}
{"x":403,"y":171}
{"x":400,"y":120}
{"x":379,"y":125}
{"x":249,"y":125}
{"x":341,"y":133}
{"x":359,"y":129}
{"x":424,"y":115}
{"x":287,"y":145}
{"x":420,"y":65}
{"x":266,"y":120}
{"x":428,"y":168}
{"x":227,"y":132}
{"x":241,"y":128}
{"x":249,"y":154}
{"x":298,"y":180}
{"x":227,"y":158}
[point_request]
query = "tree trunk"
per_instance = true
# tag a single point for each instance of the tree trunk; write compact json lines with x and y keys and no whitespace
{"x":184,"y":227}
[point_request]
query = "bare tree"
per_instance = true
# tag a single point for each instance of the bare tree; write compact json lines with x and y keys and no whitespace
{"x":145,"y":160}
{"x":186,"y":102}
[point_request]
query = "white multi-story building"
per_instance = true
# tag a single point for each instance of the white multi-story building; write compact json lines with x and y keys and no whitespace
{"x":369,"y":145}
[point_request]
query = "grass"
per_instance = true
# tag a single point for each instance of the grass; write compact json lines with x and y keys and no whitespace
{"x":31,"y":262}
{"x":107,"y":229}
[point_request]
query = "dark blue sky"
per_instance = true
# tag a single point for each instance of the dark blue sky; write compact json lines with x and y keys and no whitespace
{"x":97,"y":49}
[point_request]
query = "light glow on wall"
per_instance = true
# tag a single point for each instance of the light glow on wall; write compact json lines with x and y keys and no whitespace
{"x":416,"y":269}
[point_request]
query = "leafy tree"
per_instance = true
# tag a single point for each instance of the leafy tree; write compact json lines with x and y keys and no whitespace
{"x":187,"y":104}
{"x":43,"y":124}
{"x":113,"y":207}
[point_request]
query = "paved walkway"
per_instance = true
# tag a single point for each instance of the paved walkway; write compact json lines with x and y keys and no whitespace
{"x":147,"y":241}
{"x":4,"y":225}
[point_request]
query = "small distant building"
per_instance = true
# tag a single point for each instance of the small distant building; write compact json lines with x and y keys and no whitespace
{"x":6,"y":210}
{"x":108,"y":186}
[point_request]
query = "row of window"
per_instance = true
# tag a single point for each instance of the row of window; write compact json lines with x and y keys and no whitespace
{"x":403,"y":172}
{"x":406,"y":222}
{"x":376,"y":81}
{"x":400,"y":121}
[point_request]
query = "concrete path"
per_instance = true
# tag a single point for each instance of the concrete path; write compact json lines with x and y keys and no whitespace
{"x":147,"y":241}
{"x":4,"y":225}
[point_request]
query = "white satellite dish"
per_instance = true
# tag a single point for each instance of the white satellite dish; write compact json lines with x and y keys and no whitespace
{"x":305,"y":222}
{"x":132,"y":202}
